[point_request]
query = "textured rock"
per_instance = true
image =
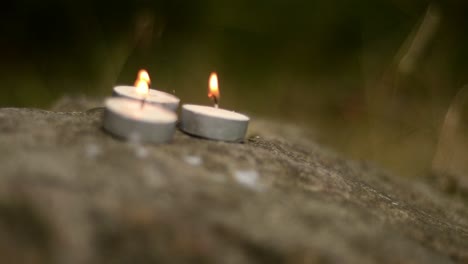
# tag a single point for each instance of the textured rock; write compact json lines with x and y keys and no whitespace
{"x":71,"y":193}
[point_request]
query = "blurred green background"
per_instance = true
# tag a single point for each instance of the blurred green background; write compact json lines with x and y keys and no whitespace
{"x":373,"y":79}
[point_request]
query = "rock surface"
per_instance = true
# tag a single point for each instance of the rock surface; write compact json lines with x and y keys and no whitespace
{"x":71,"y":193}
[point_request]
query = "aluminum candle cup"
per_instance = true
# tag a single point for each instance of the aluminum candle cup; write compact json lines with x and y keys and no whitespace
{"x":213,"y":123}
{"x":155,"y":97}
{"x":127,"y":119}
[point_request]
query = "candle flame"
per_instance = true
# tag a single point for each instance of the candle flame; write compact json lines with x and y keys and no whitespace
{"x":213,"y":91}
{"x":142,"y":82}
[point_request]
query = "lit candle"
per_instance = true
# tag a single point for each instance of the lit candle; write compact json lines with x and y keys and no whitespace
{"x":213,"y":122}
{"x":128,"y":118}
{"x":153,"y":96}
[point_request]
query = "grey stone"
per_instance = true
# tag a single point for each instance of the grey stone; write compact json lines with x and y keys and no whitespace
{"x":72,"y":193}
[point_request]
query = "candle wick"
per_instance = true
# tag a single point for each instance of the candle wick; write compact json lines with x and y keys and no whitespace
{"x":143,"y":101}
{"x":215,"y":100}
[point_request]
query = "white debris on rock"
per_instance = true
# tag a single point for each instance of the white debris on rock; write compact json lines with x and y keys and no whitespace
{"x":135,"y":143}
{"x":134,"y":138}
{"x":248,"y":178}
{"x":152,"y":176}
{"x":193,"y":160}
{"x":92,"y":150}
{"x":141,"y":152}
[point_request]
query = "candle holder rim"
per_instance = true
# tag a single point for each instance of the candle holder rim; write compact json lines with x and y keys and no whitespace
{"x":242,"y":117}
{"x":173,"y":116}
{"x":151,"y":91}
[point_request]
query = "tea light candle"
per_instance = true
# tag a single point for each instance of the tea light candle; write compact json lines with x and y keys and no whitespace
{"x":213,"y":122}
{"x":153,"y":96}
{"x":129,"y":119}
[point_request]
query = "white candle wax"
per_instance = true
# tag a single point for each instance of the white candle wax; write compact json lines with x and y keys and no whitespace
{"x":127,"y":118}
{"x":156,"y":97}
{"x":213,"y":123}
